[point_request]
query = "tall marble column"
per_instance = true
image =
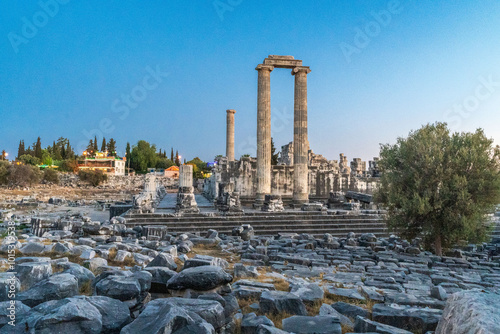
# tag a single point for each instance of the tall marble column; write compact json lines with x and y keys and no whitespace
{"x":300,"y":141}
{"x":263,"y":133}
{"x":230,"y":134}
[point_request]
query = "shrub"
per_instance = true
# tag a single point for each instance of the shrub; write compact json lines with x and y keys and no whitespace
{"x":23,"y":175}
{"x":68,"y":166}
{"x":4,"y":173}
{"x":28,"y":159}
{"x":50,"y":175}
{"x":94,"y":177}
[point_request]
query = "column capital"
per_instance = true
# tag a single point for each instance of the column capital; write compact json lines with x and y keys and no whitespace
{"x":298,"y":69}
{"x":231,"y":111}
{"x":264,"y":67}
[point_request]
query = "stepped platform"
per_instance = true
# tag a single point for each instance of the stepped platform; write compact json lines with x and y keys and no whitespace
{"x":495,"y":231}
{"x":290,"y":221}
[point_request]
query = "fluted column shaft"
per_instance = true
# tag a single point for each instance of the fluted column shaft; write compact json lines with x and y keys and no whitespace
{"x":300,"y":141}
{"x":230,"y":134}
{"x":263,"y":132}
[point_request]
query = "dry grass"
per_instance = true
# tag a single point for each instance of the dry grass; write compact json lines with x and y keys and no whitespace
{"x":313,"y":308}
{"x":179,"y":264}
{"x":346,"y":329}
{"x":281,"y":284}
{"x":86,"y":288}
{"x":215,"y":251}
{"x":245,"y":305}
{"x":56,"y":269}
{"x":237,"y":327}
{"x":331,"y":298}
{"x":264,"y":270}
{"x":112,"y":253}
{"x":277,"y":318}
{"x":129,"y":261}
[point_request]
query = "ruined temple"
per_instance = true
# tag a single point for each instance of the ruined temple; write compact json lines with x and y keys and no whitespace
{"x":300,"y":175}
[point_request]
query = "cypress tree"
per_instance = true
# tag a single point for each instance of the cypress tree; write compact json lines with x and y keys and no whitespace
{"x":38,"y":148}
{"x":96,"y":148}
{"x":112,"y":147}
{"x":20,"y":150}
{"x":177,"y":161}
{"x":103,"y":146}
{"x":56,"y":152}
{"x":69,"y":152}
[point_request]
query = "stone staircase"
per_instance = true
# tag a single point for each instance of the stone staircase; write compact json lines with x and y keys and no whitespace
{"x":495,"y":233}
{"x":315,"y":223}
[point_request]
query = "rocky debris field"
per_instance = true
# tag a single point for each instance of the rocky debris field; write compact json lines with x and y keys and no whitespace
{"x":71,"y":188}
{"x":110,"y":279}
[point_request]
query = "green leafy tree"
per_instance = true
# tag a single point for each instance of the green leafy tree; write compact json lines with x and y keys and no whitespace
{"x":164,"y":163}
{"x":143,"y":156}
{"x":46,"y":158}
{"x":28,"y":159}
{"x":199,"y":167}
{"x":440,"y":186}
{"x":274,"y":156}
{"x":96,"y":148}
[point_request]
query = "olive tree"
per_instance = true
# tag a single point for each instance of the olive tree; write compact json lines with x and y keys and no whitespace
{"x":440,"y":185}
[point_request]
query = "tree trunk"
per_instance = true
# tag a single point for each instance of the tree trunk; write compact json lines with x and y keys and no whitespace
{"x":437,"y":245}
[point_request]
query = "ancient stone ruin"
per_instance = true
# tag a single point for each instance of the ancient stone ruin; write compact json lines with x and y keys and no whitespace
{"x":186,"y":202}
{"x":301,"y":175}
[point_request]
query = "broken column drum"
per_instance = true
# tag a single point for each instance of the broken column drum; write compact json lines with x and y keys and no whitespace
{"x":186,"y":202}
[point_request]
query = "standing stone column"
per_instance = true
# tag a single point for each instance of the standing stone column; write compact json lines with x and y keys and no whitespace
{"x":230,"y":134}
{"x":185,"y":176}
{"x":300,"y":141}
{"x":186,"y":202}
{"x":263,"y":133}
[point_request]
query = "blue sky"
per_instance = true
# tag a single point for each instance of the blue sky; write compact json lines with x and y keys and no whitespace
{"x":379,"y":70}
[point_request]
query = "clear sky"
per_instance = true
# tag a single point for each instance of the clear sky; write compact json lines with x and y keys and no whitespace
{"x":166,"y":71}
